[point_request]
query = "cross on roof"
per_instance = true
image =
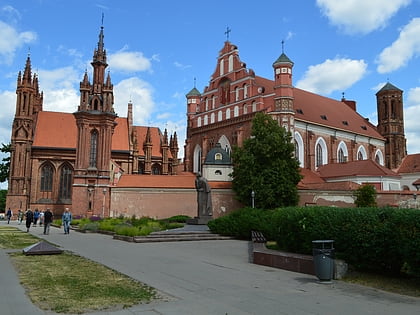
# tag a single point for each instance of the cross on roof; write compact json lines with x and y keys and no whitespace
{"x":228,"y":30}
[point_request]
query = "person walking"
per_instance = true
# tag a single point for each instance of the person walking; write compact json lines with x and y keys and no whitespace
{"x":66,"y":218}
{"x":29,"y":218}
{"x":9,"y":215}
{"x":36,"y":216}
{"x":20,"y":216}
{"x":48,"y":217}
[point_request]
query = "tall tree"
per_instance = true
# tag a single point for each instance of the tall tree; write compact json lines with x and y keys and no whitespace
{"x":266,"y":165}
{"x":5,"y":165}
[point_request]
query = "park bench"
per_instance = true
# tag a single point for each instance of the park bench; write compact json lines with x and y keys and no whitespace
{"x":258,"y":237}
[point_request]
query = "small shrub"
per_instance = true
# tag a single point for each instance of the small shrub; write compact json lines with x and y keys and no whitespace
{"x":92,"y":227}
{"x":127,"y":230}
{"x":365,"y":196}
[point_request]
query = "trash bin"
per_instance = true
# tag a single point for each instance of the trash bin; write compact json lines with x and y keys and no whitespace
{"x":323,"y":252}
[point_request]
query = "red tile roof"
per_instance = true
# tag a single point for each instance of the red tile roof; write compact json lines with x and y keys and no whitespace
{"x":355,"y":168}
{"x":410,"y":164}
{"x":156,"y":137}
{"x":59,"y":130}
{"x":55,"y":130}
{"x":310,"y":107}
{"x":157,"y":181}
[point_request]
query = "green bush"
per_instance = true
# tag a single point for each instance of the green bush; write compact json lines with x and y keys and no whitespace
{"x":241,"y":222}
{"x":127,"y":230}
{"x":92,"y":227}
{"x":375,"y":239}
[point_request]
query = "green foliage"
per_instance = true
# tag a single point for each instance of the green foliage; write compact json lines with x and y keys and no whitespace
{"x":383,"y":240}
{"x":3,"y":194}
{"x":178,"y":218}
{"x":5,"y":165}
{"x":240,"y":223}
{"x":266,"y":165}
{"x":365,"y":196}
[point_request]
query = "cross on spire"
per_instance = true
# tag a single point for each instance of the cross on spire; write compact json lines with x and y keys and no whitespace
{"x":282,"y":46}
{"x":228,"y":30}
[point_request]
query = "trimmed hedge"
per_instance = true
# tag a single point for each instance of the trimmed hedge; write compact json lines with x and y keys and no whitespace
{"x":374,"y":239}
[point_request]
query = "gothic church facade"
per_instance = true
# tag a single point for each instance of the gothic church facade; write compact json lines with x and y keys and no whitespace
{"x":324,"y":130}
{"x":61,"y":160}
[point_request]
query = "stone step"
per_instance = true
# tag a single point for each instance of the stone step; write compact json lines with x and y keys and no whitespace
{"x":177,"y":237}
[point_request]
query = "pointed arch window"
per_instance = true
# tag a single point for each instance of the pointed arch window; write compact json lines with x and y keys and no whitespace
{"x":321,"y":157}
{"x":65,"y":182}
{"x":93,"y":148}
{"x":156,"y":169}
{"x":318,"y":155}
{"x":46,"y":177}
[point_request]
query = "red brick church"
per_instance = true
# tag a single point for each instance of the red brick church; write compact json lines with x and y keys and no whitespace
{"x":63,"y":160}
{"x":96,"y":163}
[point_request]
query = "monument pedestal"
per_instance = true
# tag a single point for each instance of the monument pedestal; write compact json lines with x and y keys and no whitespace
{"x":202,"y":220}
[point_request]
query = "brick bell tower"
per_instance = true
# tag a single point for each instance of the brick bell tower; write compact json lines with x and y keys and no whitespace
{"x":283,"y":110}
{"x":95,"y":120}
{"x":389,"y":101}
{"x":28,"y":103}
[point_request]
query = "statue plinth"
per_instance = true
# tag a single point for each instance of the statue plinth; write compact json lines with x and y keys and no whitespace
{"x":202,"y":220}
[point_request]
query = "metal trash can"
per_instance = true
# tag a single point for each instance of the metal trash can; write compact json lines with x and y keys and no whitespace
{"x":323,"y":252}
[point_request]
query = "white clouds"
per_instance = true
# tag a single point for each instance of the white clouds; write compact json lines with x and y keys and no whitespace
{"x":66,"y":77}
{"x":10,"y":40}
{"x":360,"y":16}
{"x":402,"y":50}
{"x":411,"y":124}
{"x":140,"y":94}
{"x":332,"y":75}
{"x":8,"y":99}
{"x":129,"y":61}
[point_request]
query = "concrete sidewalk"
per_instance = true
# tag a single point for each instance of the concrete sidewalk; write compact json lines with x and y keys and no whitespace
{"x":207,"y":277}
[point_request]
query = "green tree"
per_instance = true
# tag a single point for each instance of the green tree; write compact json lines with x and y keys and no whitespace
{"x":365,"y":196}
{"x":3,"y":194}
{"x":266,"y":165}
{"x":5,"y":165}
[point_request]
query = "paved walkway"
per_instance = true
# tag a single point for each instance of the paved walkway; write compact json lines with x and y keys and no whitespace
{"x":206,"y":277}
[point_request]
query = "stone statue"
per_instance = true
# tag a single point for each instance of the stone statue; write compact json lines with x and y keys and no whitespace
{"x":203,"y":196}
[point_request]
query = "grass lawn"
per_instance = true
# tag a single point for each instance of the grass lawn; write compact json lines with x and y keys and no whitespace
{"x":67,"y":283}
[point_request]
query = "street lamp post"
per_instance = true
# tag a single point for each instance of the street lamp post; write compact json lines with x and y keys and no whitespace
{"x":253,"y":198}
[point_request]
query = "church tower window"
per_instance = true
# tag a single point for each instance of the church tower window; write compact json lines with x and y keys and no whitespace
{"x":93,"y":148}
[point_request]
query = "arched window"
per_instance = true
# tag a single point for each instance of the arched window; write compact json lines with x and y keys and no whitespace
{"x":245,"y":109}
{"x":361,"y":153}
{"x":199,"y":122}
{"x":245,"y":91}
{"x":156,"y":169}
{"x":93,"y":148}
{"x":379,"y":157}
{"x":213,"y":102}
{"x":212,"y":118}
{"x":46,"y":177}
{"x":236,"y":111}
{"x":228,"y":113}
{"x":230,"y":64}
{"x":65,"y":183}
{"x":206,"y":120}
{"x":299,"y":149}
{"x":342,"y":153}
{"x":254,"y":106}
{"x":207,"y":104}
{"x":220,"y":116}
{"x":237,"y":94}
{"x":222,"y":67}
{"x":197,"y":159}
{"x":321,"y":156}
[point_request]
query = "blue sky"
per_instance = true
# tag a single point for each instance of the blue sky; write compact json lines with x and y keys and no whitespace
{"x":156,"y":49}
